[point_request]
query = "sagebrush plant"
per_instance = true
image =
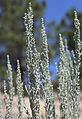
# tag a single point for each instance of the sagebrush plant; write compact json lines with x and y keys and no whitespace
{"x":46,"y":80}
{"x":69,"y":89}
{"x":9,"y":99}
{"x":32,"y":65}
{"x":37,"y":65}
{"x":19,"y":91}
{"x":0,"y":108}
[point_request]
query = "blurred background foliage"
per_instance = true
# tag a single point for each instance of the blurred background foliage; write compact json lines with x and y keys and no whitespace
{"x":12,"y":38}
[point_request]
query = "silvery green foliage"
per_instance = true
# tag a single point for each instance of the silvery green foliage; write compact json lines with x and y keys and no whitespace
{"x":69,"y":69}
{"x":25,"y":106}
{"x":69,"y":89}
{"x":75,"y":93}
{"x":10,"y":81}
{"x":32,"y":64}
{"x":63,"y":82}
{"x":46,"y":80}
{"x":9,"y":100}
{"x":38,"y":65}
{"x":7,"y":103}
{"x":0,"y":107}
{"x":19,"y":91}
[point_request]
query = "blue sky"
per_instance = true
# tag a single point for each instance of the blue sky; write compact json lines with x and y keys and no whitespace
{"x":55,"y":11}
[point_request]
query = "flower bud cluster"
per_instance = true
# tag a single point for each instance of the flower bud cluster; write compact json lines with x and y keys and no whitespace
{"x":9,"y":99}
{"x":32,"y":65}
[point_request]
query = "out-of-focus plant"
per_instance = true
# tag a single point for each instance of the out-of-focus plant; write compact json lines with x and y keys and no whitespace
{"x":9,"y":99}
{"x":0,"y":107}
